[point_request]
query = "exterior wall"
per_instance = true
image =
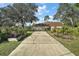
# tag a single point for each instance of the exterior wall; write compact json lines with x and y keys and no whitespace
{"x":51,"y":28}
{"x":59,"y":27}
{"x":55,"y":27}
{"x":40,"y":28}
{"x":45,"y":27}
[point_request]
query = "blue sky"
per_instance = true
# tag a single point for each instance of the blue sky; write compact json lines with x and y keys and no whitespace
{"x":3,"y":4}
{"x":43,"y":10}
{"x":47,"y":9}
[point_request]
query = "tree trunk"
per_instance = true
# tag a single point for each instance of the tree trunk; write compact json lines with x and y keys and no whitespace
{"x":22,"y":22}
{"x":33,"y":23}
{"x":71,"y":21}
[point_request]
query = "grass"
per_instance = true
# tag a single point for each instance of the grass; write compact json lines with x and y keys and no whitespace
{"x":72,"y":45}
{"x":7,"y":47}
{"x":29,"y":33}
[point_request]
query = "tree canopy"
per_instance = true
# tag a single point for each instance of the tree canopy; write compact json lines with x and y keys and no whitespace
{"x":19,"y":12}
{"x":46,"y":18}
{"x":68,"y":13}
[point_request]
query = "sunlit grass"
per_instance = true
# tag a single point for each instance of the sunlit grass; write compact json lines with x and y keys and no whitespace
{"x":72,"y":45}
{"x":7,"y":47}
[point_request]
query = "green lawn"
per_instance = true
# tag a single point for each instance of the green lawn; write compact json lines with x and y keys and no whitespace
{"x":72,"y":45}
{"x":7,"y":47}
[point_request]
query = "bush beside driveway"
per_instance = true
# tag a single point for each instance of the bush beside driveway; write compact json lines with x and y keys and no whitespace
{"x":7,"y":47}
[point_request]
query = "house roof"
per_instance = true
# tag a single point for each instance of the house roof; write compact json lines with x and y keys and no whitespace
{"x":50,"y":24}
{"x":41,"y":24}
{"x":54,"y":24}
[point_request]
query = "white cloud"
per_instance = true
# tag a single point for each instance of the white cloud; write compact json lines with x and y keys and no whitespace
{"x":42,"y":11}
{"x":41,"y":20}
{"x":38,"y":13}
{"x":51,"y":17}
{"x":40,"y":8}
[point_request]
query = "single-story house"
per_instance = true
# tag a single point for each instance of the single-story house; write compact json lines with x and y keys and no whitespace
{"x":53,"y":25}
{"x":47,"y":25}
{"x":40,"y":26}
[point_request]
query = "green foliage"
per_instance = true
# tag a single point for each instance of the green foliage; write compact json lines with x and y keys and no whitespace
{"x":13,"y":32}
{"x":67,"y":30}
{"x":77,"y":4}
{"x":75,"y":31}
{"x":72,"y":45}
{"x":18,"y":13}
{"x":68,"y":13}
{"x":46,"y":18}
{"x":3,"y":37}
{"x":72,"y":31}
{"x":7,"y":47}
{"x":56,"y":30}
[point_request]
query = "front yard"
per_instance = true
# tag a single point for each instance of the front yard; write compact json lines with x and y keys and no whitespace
{"x":72,"y":45}
{"x":7,"y":47}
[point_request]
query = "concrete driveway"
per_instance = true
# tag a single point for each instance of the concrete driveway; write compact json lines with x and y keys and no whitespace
{"x":40,"y":43}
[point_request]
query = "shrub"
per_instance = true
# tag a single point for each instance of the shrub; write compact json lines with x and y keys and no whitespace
{"x":75,"y":32}
{"x":3,"y":37}
{"x":70,"y":30}
{"x":13,"y":32}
